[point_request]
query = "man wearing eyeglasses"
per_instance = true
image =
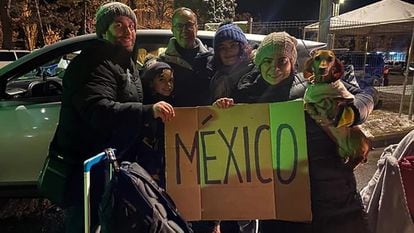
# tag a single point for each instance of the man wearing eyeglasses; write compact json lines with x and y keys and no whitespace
{"x":190,"y":60}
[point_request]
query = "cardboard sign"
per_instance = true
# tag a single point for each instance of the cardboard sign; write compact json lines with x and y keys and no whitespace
{"x":245,"y":162}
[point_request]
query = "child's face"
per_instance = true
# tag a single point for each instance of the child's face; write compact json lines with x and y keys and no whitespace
{"x":229,"y":52}
{"x":274,"y":70}
{"x":163,"y":83}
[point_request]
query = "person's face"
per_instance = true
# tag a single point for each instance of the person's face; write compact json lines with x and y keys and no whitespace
{"x":163,"y":83}
{"x":184,"y":29}
{"x":274,"y":70}
{"x":229,"y":52}
{"x":121,"y":32}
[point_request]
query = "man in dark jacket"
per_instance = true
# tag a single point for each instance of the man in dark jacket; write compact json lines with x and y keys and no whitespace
{"x":190,"y":60}
{"x":101,"y":106}
{"x":192,"y":65}
{"x":336,"y":204}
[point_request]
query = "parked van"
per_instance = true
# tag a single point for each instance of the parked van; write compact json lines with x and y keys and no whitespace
{"x":371,"y":73}
{"x":396,"y":66}
{"x":8,"y":56}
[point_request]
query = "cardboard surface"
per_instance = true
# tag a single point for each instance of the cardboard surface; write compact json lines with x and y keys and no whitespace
{"x":246,"y":162}
{"x":290,"y":161}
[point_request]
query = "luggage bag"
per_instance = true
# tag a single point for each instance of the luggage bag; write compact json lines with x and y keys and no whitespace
{"x":132,"y":202}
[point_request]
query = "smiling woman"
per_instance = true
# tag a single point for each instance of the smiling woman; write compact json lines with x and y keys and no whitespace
{"x":232,"y":59}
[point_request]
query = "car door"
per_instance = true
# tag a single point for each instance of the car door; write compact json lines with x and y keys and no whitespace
{"x":30,"y":94}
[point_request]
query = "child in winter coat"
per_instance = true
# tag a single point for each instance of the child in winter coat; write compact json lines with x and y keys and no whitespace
{"x":158,"y":85}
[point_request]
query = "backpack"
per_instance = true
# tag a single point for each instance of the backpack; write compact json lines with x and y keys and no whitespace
{"x":133,"y":202}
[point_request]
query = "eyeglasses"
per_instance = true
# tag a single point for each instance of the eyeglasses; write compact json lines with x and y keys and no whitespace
{"x":181,"y":26}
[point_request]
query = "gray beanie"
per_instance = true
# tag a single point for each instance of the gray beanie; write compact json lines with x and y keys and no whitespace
{"x":108,"y":12}
{"x":280,"y":43}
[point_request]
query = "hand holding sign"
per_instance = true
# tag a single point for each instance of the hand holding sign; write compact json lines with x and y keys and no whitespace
{"x":163,"y":110}
{"x":224,"y":103}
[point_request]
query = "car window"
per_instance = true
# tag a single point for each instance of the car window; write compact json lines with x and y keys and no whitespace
{"x":62,"y":63}
{"x":43,"y":81}
{"x":21,"y":54}
{"x":7,"y":56}
{"x":145,"y":51}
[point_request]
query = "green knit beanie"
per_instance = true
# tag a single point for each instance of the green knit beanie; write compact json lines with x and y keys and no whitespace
{"x":108,"y":12}
{"x":277,"y":44}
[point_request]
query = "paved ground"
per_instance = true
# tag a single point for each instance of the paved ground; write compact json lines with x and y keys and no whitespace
{"x":396,"y":89}
{"x":364,"y":172}
{"x":386,"y":125}
{"x":49,"y":220}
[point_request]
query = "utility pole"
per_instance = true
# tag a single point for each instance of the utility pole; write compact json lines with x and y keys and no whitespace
{"x":407,"y":69}
{"x":335,"y":12}
{"x":325,"y":13}
{"x":250,"y":23}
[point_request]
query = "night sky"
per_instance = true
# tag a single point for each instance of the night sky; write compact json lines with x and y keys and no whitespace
{"x":286,"y":10}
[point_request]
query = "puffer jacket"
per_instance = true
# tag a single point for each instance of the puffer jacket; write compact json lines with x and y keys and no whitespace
{"x":333,"y":185}
{"x":101,"y":107}
{"x":193,"y":70}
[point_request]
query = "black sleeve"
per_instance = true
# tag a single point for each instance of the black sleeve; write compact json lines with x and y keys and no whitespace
{"x":97,"y":103}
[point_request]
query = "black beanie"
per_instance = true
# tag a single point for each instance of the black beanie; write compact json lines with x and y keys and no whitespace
{"x":108,"y":12}
{"x":152,"y":67}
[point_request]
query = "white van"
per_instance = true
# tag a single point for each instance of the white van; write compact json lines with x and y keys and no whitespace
{"x":8,"y":56}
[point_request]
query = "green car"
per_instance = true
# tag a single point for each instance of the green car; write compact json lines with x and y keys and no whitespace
{"x":30,"y":94}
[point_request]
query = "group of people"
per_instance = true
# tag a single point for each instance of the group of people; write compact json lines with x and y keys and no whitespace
{"x":107,"y":103}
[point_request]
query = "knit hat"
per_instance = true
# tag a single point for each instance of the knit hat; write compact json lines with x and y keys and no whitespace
{"x":108,"y":12}
{"x":152,"y":67}
{"x":228,"y":31}
{"x":277,"y":43}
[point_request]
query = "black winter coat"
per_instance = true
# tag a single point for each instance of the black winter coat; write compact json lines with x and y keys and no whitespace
{"x":192,"y":73}
{"x":101,"y":107}
{"x":224,"y":81}
{"x":151,"y":148}
{"x":333,"y":186}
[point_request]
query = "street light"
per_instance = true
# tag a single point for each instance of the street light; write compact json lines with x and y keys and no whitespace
{"x":326,"y":11}
{"x":336,"y":4}
{"x":335,"y":12}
